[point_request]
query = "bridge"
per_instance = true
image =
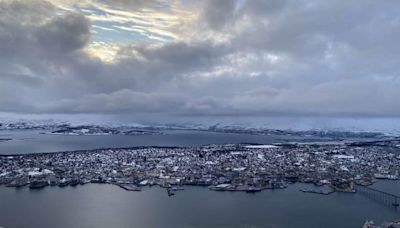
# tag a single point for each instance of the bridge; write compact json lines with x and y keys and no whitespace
{"x":385,"y":198}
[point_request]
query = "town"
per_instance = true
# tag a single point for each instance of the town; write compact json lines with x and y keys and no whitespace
{"x":228,"y":167}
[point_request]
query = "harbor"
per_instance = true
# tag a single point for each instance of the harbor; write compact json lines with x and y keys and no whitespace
{"x":102,"y":206}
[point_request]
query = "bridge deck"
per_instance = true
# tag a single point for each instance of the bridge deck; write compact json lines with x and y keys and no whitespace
{"x":378,"y":195}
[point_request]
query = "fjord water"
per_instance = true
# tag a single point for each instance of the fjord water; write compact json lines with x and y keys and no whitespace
{"x":107,"y":206}
{"x":104,"y":206}
{"x":30,"y":141}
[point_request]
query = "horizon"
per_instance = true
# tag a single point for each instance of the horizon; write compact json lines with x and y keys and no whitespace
{"x":385,"y":125}
{"x":210,"y":113}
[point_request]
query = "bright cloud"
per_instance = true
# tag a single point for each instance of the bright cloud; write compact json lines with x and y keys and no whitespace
{"x":228,"y":57}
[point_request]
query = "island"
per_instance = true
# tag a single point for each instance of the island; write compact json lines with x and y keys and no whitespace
{"x":228,"y":167}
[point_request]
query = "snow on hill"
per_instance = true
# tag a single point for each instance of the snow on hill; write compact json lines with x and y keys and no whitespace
{"x":257,"y":125}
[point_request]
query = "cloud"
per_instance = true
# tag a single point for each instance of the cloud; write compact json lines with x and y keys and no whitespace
{"x":228,"y":57}
{"x":218,"y":14}
{"x":63,"y":34}
{"x":133,"y":4}
{"x":122,"y":101}
{"x":35,"y":37}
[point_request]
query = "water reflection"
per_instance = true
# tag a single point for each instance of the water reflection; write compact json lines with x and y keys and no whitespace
{"x":109,"y":206}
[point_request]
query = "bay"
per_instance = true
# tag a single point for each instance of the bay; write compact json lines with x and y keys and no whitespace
{"x":104,"y":206}
{"x":33,"y":141}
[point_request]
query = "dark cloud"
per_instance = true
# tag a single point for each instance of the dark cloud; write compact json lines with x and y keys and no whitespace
{"x":34,"y":25}
{"x":218,"y":14}
{"x":63,"y":34}
{"x":36,"y":39}
{"x":270,"y":57}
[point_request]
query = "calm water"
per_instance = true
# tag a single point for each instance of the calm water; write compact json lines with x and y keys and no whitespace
{"x":105,"y":206}
{"x":108,"y":206}
{"x":33,"y":142}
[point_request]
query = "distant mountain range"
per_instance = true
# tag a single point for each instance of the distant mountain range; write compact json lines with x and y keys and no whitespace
{"x":67,"y":128}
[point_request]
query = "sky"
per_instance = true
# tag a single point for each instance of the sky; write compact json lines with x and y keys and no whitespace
{"x":200,"y":58}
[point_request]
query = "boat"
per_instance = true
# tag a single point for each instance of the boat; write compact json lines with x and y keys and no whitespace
{"x":38,"y":184}
{"x":177,"y":188}
{"x":317,"y":191}
{"x":170,"y":192}
{"x":253,"y":190}
{"x":63,"y":183}
{"x":74,"y":182}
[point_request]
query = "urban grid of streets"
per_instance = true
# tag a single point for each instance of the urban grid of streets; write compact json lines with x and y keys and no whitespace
{"x":230,"y":167}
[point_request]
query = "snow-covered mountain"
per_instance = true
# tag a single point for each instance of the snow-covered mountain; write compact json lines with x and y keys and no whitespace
{"x":320,"y":126}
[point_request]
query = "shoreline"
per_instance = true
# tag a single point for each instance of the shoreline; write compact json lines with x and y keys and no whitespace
{"x":315,"y":189}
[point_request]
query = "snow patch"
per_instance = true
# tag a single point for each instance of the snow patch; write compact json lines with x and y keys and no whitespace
{"x":261,"y":146}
